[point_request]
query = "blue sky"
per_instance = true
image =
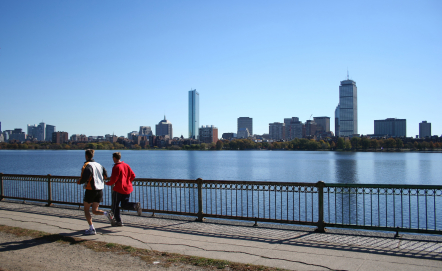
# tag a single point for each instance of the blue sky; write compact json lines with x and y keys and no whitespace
{"x":103,"y":67}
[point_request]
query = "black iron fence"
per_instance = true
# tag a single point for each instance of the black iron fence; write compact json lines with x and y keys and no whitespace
{"x":400,"y":208}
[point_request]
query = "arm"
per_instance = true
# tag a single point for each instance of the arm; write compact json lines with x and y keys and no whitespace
{"x":114,"y":177}
{"x":86,"y":174}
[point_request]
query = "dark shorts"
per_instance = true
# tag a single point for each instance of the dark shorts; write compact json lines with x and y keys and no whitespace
{"x":91,"y":196}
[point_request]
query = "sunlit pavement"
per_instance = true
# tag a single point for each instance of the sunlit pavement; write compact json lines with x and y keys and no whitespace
{"x":282,"y":246}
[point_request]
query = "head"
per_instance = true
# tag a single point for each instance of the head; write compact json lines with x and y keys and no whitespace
{"x":116,"y":156}
{"x":89,"y":154}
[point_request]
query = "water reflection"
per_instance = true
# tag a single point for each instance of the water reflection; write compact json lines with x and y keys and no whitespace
{"x":346,"y":168}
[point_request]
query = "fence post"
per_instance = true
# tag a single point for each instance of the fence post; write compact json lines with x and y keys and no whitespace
{"x":321,"y":227}
{"x":49,"y":191}
{"x":200,"y":199}
{"x":2,"y":191}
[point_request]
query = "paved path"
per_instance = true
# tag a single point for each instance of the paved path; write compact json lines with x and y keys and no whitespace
{"x":283,"y":246}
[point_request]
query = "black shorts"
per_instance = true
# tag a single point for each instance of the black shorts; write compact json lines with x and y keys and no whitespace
{"x":93,"y":196}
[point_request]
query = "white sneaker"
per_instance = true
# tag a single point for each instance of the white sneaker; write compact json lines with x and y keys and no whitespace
{"x":110,"y":217}
{"x":90,"y":232}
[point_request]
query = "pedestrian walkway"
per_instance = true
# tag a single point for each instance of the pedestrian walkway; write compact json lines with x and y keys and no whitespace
{"x":282,"y":246}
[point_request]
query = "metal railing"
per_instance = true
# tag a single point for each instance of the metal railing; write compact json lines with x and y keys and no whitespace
{"x":400,"y":208}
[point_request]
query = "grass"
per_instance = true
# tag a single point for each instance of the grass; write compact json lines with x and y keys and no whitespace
{"x":165,"y":259}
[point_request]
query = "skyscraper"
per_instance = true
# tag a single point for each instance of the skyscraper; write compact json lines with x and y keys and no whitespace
{"x":245,"y":122}
{"x":164,"y":128}
{"x":424,"y":129}
{"x":194,"y":113}
{"x":347,"y":109}
{"x":48,"y":133}
{"x":276,"y":130}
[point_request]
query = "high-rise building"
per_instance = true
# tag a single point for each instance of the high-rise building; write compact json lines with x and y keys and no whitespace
{"x":194,"y":113}
{"x":310,"y":128}
{"x":17,"y":134}
{"x":323,"y":124}
{"x":130,"y":135}
{"x":164,"y":128}
{"x":391,"y":127}
{"x":208,"y":134}
{"x":276,"y":131}
{"x":293,"y":128}
{"x":347,"y":109}
{"x":245,"y":122}
{"x":49,"y":130}
{"x":337,"y":127}
{"x":60,"y":137}
{"x":424,"y":129}
{"x":145,"y":131}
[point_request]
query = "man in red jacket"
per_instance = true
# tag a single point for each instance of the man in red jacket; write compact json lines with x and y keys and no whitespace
{"x":122,"y":177}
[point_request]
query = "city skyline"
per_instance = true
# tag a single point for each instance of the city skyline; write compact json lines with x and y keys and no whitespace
{"x":133,"y":62}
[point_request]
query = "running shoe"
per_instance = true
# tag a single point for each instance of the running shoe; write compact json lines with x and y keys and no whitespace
{"x":119,"y":224}
{"x":138,"y":208}
{"x":90,"y":232}
{"x":110,"y":217}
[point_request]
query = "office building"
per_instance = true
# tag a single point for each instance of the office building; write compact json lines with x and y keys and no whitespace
{"x":18,"y":135}
{"x":293,"y":128}
{"x":424,"y":129}
{"x":60,"y":137}
{"x":390,"y":127}
{"x":243,"y":133}
{"x":322,"y":124}
{"x":208,"y":134}
{"x":37,"y":131}
{"x":145,"y":131}
{"x":164,"y":128}
{"x":244,"y":122}
{"x":194,"y":113}
{"x":48,"y":132}
{"x":337,"y":127}
{"x":229,"y":136}
{"x":310,"y":128}
{"x":276,"y":131}
{"x":131,"y":135}
{"x":346,"y":113}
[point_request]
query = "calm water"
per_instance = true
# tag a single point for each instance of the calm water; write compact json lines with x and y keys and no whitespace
{"x":285,"y":166}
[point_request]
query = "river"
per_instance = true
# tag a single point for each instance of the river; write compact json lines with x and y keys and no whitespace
{"x":277,"y":166}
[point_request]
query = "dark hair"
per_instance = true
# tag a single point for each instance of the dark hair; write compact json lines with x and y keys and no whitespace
{"x":116,"y":155}
{"x":89,"y":153}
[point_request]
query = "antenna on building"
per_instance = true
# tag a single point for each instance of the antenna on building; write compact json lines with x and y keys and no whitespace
{"x":347,"y":73}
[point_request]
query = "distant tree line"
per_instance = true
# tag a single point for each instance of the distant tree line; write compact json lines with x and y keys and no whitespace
{"x":335,"y":143}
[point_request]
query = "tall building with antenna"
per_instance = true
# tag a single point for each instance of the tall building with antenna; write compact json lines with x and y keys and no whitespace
{"x":194,"y":113}
{"x":346,"y":114}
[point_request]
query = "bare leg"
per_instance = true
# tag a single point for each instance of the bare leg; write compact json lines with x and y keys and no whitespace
{"x":87,"y":213}
{"x":95,"y":210}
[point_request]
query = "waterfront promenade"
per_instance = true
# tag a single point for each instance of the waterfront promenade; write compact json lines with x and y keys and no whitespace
{"x":283,"y":246}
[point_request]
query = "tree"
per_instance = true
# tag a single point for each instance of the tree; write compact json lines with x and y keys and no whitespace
{"x":202,"y":146}
{"x":347,"y":145}
{"x":365,"y":143}
{"x":374,"y":144}
{"x":399,"y":143}
{"x":341,"y":143}
{"x":355,"y":142}
{"x":390,"y":143}
{"x":219,"y":145}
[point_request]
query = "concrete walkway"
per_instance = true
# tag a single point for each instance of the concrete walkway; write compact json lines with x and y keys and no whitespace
{"x":282,"y":246}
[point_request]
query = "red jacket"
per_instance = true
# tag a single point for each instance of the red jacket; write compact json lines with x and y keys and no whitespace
{"x":122,"y":177}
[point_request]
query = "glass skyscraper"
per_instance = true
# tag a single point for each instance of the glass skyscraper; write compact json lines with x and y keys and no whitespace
{"x":347,"y":111}
{"x":194,"y":113}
